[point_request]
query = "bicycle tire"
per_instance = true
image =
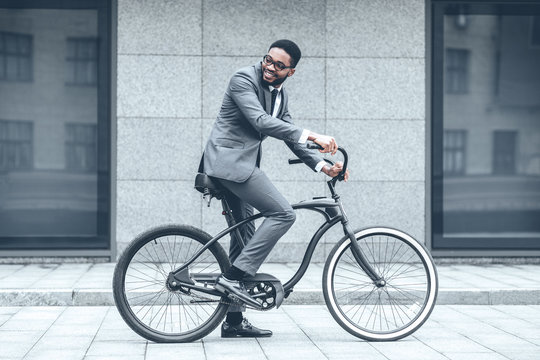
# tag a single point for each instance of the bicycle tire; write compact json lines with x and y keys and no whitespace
{"x":146,"y":263}
{"x":386,"y":313}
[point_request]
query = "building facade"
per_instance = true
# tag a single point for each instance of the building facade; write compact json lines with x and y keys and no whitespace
{"x":105,"y":107}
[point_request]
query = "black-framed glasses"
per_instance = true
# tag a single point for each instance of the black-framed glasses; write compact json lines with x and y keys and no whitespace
{"x":278,"y":65}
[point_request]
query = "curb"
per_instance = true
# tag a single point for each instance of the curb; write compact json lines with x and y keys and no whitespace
{"x":104,"y":297}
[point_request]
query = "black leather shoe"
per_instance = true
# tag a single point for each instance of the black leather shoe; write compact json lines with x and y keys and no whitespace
{"x":244,"y":329}
{"x":235,"y":289}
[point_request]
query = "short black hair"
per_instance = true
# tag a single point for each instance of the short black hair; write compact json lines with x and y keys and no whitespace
{"x":290,"y":48}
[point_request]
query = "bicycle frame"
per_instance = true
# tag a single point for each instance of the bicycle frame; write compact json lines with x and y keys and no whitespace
{"x":318,"y":205}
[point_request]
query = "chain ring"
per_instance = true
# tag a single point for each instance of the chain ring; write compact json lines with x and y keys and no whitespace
{"x":264,"y":292}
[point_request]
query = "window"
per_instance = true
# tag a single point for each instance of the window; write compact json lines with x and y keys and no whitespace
{"x":15,"y":145}
{"x":504,"y":152}
{"x":15,"y":56}
{"x":454,"y":152}
{"x":457,"y":71}
{"x":81,"y":147}
{"x":82,"y":61}
{"x":490,"y":132}
{"x":535,"y":31}
{"x":55,"y":171}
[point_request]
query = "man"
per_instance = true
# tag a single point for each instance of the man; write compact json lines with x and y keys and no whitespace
{"x":255,"y":106}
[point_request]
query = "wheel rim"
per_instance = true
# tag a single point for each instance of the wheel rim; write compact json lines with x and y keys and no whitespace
{"x":389,"y":311}
{"x":155,"y":306}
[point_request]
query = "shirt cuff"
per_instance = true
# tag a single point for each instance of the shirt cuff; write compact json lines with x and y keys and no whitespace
{"x":304,"y":136}
{"x":320,"y":165}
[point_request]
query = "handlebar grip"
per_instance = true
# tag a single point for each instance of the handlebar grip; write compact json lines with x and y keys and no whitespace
{"x":312,"y":145}
{"x":294,"y":161}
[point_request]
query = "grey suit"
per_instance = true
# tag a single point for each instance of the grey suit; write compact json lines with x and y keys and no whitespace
{"x":232,"y":155}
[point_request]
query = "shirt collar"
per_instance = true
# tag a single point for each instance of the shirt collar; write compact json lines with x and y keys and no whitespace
{"x":272,"y":88}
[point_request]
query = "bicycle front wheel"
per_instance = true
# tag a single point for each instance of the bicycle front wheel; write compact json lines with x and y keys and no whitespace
{"x":148,"y":305}
{"x":378,"y":312}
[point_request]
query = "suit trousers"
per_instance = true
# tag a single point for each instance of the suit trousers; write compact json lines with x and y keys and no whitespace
{"x":257,"y":192}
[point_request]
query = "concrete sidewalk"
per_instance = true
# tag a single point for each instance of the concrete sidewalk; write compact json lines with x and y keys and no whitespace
{"x":300,"y":332}
{"x":90,"y":284}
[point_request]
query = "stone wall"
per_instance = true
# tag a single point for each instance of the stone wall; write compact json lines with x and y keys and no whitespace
{"x":361,"y":79}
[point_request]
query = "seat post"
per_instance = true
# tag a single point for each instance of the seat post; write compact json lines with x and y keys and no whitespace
{"x":230,"y":220}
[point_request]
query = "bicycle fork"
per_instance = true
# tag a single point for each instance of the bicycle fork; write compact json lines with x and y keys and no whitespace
{"x":377,"y":279}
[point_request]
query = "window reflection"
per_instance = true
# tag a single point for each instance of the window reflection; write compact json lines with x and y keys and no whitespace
{"x":49,"y":129}
{"x":491,"y":112}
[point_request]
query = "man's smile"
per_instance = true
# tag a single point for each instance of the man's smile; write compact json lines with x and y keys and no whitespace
{"x":268,"y":73}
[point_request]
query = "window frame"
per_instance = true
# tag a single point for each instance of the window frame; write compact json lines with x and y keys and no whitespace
{"x":434,"y":127}
{"x":107,"y":30}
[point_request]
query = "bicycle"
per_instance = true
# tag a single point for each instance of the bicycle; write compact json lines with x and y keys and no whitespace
{"x":379,"y":283}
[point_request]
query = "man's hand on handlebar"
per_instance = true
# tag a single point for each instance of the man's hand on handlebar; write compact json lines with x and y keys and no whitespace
{"x":328,"y":143}
{"x":335,"y":170}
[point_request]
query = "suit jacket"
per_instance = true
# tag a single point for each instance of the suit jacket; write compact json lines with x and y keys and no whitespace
{"x":243,"y":123}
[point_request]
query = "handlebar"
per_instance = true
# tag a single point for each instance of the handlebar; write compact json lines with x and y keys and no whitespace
{"x":312,"y":145}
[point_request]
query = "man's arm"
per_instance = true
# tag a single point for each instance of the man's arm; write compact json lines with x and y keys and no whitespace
{"x":242,"y":90}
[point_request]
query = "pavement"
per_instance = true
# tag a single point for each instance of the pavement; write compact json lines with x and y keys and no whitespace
{"x":300,"y":332}
{"x":90,"y":284}
{"x":62,"y":311}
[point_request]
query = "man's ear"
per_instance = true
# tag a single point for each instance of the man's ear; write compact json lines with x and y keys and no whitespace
{"x":291,"y":72}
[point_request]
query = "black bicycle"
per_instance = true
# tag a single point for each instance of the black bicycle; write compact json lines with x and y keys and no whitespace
{"x":379,"y":283}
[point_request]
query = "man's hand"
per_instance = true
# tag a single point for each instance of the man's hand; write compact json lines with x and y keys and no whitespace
{"x":335,"y":170}
{"x":327,"y":142}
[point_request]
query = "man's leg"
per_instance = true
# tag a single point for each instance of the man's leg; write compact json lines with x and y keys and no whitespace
{"x":240,"y":211}
{"x":279,"y":216}
{"x":259,"y":192}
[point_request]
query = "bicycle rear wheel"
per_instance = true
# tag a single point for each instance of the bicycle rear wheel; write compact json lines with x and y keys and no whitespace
{"x":143,"y":298}
{"x":381,"y":313}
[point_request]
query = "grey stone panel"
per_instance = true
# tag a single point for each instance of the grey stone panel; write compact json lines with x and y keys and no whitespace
{"x":375,"y":88}
{"x":382,"y":149}
{"x":383,"y":28}
{"x":159,"y":27}
{"x":306,"y":90}
{"x":248,"y":27}
{"x":399,"y":205}
{"x":158,"y":148}
{"x":159,"y":86}
{"x":142,"y":205}
{"x":276,"y":154}
{"x":306,"y":87}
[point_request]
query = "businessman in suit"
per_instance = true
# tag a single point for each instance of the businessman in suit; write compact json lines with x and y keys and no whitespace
{"x":254,"y":107}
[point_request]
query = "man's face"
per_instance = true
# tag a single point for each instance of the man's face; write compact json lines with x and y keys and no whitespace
{"x":271,"y":75}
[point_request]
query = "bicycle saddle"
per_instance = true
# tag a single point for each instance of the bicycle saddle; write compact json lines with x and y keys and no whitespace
{"x":207,"y":186}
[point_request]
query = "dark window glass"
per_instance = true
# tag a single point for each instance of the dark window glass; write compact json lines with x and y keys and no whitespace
{"x":486,"y":126}
{"x":504,"y":152}
{"x":82,"y":56}
{"x":16,"y":144}
{"x":535,"y":31}
{"x":457,"y":71}
{"x":54,"y":166}
{"x":15,"y":56}
{"x":81,"y":147}
{"x":454,"y":152}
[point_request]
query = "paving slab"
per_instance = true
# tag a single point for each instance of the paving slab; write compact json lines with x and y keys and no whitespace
{"x":300,"y":332}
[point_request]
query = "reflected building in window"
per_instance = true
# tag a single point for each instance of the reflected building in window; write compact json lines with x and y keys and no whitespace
{"x":491,"y":131}
{"x":49,"y":130}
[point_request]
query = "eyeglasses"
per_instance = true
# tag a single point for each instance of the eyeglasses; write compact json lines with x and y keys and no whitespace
{"x":278,"y":65}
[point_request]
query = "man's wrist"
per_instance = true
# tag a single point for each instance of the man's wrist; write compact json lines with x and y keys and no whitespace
{"x":320,"y":166}
{"x":304,"y":137}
